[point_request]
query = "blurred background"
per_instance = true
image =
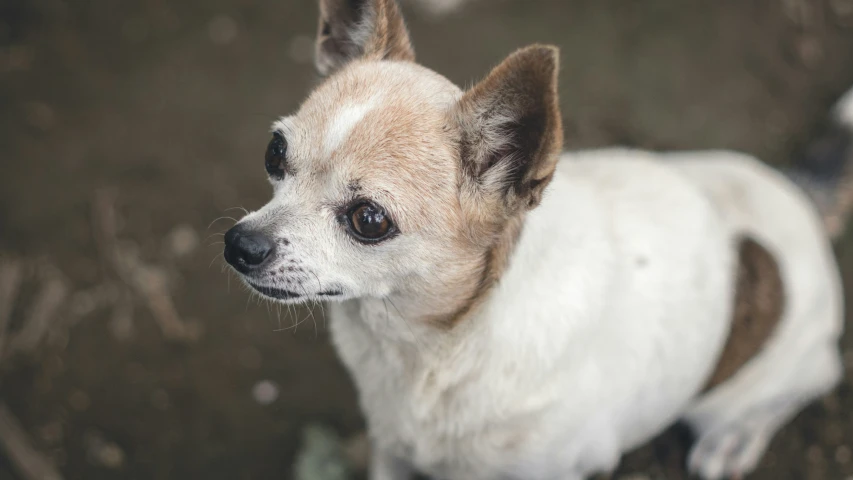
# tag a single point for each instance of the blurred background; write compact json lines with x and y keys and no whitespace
{"x":132,"y":134}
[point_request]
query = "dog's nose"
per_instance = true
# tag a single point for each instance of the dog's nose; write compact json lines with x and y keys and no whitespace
{"x":246,"y":250}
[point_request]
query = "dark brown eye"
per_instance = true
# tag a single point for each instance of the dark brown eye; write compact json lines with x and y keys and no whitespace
{"x":274,"y":159}
{"x":369,"y":222}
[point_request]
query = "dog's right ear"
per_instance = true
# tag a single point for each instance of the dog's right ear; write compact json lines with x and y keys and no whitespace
{"x":511,"y":135}
{"x":351,"y":29}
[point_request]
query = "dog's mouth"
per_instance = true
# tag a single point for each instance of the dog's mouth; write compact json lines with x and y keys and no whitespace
{"x":282,"y":294}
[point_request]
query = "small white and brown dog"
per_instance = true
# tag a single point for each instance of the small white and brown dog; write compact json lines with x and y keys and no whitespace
{"x":511,"y":312}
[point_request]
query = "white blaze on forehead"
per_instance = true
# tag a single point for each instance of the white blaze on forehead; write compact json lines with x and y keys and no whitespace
{"x":844,"y":109}
{"x":344,"y":122}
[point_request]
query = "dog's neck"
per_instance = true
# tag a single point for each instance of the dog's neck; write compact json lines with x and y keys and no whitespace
{"x":443,"y":313}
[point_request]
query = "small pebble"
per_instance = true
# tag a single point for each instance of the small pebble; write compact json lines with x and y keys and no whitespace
{"x":810,"y":51}
{"x":265,"y":392}
{"x":79,"y":401}
{"x":222,"y":30}
{"x":102,"y":452}
{"x":182,"y":240}
{"x":814,"y":454}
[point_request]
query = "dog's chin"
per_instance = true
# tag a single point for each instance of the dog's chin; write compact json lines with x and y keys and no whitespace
{"x":289,"y":296}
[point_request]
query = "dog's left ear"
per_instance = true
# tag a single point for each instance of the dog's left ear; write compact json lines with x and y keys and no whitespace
{"x":351,"y":29}
{"x":511,"y":133}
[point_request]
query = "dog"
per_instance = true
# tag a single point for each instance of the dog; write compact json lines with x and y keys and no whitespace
{"x":510,"y":311}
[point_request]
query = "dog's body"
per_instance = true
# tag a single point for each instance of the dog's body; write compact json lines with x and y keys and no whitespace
{"x":605,"y":326}
{"x":510,"y":313}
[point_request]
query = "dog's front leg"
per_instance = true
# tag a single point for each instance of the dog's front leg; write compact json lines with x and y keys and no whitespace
{"x":384,"y":465}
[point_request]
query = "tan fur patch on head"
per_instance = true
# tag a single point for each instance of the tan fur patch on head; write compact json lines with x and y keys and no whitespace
{"x":398,"y":150}
{"x":759,"y":304}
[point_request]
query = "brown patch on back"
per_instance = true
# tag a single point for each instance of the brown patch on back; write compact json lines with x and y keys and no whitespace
{"x":759,"y":303}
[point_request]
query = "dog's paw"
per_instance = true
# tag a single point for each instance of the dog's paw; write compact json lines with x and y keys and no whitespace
{"x":730,"y":453}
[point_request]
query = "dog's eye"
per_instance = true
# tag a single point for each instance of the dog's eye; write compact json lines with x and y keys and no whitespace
{"x":274,"y":159}
{"x":369,"y":223}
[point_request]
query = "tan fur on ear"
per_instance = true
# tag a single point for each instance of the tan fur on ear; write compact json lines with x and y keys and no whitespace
{"x":369,"y":29}
{"x":511,"y":135}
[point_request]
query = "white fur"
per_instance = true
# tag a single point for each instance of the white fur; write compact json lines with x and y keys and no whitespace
{"x":344,"y":122}
{"x":611,"y":315}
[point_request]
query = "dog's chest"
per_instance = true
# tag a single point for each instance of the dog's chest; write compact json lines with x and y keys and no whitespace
{"x":439,"y":418}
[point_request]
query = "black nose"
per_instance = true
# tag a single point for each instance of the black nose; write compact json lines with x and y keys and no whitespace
{"x":246,"y":250}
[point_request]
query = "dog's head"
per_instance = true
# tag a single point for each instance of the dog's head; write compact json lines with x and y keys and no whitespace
{"x":390,"y":179}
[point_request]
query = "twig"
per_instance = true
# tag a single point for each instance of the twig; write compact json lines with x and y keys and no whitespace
{"x":147,"y":281}
{"x":151,"y":284}
{"x":52,"y":295}
{"x":31,"y":464}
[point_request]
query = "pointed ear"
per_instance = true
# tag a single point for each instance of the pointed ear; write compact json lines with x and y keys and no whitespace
{"x":351,"y":29}
{"x":511,"y":130}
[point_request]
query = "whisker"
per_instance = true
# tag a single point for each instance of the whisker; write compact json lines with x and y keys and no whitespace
{"x":310,"y":310}
{"x":296,"y":325}
{"x":211,"y":235}
{"x":221,"y":218}
{"x":245,"y":212}
{"x":213,"y":260}
{"x":313,"y":318}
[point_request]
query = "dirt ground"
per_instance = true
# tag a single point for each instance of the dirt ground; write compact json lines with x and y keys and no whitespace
{"x":127,"y":129}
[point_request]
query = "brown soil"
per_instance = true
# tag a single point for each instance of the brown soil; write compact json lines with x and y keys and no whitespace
{"x":167,"y":105}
